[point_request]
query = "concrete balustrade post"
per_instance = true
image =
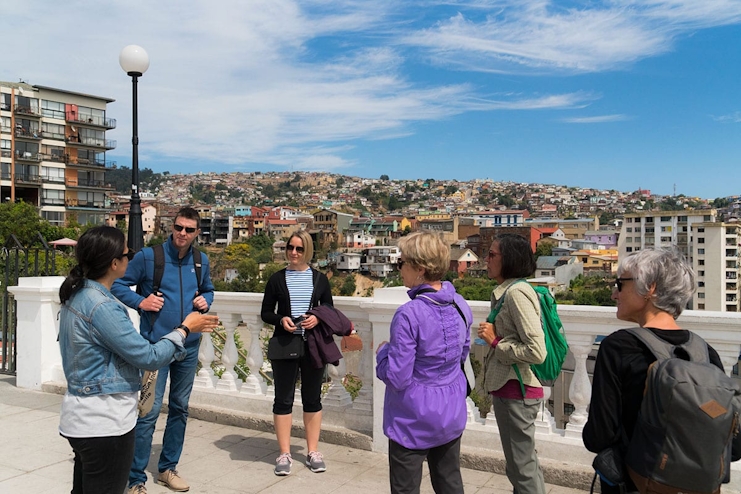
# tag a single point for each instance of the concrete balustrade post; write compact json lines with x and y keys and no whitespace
{"x":229,"y":356}
{"x":254,"y":384}
{"x":205,"y":378}
{"x":580,"y":390}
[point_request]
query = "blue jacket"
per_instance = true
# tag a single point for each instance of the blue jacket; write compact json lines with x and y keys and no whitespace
{"x":178,"y":286}
{"x":101,"y":350}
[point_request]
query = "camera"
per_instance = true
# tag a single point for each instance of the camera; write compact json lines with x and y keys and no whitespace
{"x":298,"y":320}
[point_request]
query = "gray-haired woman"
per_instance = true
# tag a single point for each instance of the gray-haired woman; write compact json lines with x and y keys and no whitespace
{"x":652,"y":289}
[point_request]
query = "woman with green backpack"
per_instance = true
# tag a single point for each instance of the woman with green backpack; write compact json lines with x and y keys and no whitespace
{"x":515,"y":336}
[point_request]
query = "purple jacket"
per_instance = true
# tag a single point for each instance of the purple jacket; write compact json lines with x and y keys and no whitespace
{"x":425,"y":404}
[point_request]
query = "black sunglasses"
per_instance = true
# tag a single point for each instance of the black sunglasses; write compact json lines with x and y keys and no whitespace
{"x":619,"y":283}
{"x":400,"y":264}
{"x":297,"y":248}
{"x":188,"y":229}
{"x":128,"y":255}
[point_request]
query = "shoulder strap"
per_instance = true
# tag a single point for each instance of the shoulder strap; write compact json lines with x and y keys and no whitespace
{"x":696,"y":347}
{"x":198,"y":266}
{"x":453,"y":303}
{"x":159,"y":267}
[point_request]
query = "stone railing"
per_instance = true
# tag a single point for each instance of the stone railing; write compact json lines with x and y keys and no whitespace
{"x":39,"y":362}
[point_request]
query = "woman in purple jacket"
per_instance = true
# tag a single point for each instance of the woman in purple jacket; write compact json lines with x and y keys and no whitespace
{"x":425,"y":405}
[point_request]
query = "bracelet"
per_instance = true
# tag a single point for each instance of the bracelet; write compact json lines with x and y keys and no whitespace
{"x":184,"y":328}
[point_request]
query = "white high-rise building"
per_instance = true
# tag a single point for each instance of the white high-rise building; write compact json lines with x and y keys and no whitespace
{"x":716,"y":264}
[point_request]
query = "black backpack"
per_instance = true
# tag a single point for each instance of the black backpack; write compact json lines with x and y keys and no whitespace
{"x":159,"y":267}
{"x":687,"y":423}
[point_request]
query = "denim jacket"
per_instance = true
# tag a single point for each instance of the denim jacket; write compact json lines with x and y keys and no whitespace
{"x":101,"y":350}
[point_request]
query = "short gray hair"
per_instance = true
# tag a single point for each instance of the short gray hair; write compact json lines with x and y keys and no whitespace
{"x":669,"y":270}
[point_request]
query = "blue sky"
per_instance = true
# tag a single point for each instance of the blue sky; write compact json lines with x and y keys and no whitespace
{"x":615,"y":94}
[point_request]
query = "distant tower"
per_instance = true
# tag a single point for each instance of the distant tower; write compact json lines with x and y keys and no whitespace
{"x":675,"y":190}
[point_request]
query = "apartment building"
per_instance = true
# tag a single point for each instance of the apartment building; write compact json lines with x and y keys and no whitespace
{"x":53,"y":151}
{"x":716,"y":263}
{"x":662,"y":229}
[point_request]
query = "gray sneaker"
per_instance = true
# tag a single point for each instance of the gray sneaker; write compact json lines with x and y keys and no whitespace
{"x":315,"y":462}
{"x":137,"y":489}
{"x":283,"y":464}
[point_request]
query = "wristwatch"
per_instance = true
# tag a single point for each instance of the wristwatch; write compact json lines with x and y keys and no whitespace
{"x":184,"y":328}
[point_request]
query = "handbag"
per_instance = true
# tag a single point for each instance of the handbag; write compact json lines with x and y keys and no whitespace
{"x":146,"y":396}
{"x":609,"y":467}
{"x":285,"y":347}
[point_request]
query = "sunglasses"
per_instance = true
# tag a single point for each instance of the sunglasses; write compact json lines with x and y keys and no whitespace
{"x":128,"y":255}
{"x":297,"y":248}
{"x":619,"y":283}
{"x":188,"y":229}
{"x":400,"y":264}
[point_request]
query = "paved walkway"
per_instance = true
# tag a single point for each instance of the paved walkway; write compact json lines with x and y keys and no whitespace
{"x":216,"y":459}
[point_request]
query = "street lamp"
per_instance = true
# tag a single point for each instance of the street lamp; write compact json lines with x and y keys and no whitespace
{"x":135,"y":61}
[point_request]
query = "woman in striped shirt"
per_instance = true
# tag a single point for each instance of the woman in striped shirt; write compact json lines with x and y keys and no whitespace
{"x":295,"y":290}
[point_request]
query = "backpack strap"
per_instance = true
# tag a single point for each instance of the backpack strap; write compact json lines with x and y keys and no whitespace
{"x":197,"y":264}
{"x":696,"y":347}
{"x":159,"y":267}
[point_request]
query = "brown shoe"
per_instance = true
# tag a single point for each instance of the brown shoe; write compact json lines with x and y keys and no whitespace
{"x":171,"y":479}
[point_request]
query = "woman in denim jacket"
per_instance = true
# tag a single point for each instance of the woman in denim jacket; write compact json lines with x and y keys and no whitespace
{"x":101,"y":355}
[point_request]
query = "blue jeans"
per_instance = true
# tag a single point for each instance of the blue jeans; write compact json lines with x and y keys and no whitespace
{"x":181,"y":384}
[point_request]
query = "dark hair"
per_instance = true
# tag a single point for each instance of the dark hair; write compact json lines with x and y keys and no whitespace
{"x":95,"y":251}
{"x":189,"y":214}
{"x":518,"y":260}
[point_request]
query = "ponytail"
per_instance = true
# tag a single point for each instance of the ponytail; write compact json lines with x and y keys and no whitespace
{"x":71,"y":284}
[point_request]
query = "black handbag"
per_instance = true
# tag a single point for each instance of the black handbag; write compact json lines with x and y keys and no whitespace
{"x":285,"y":347}
{"x":609,"y":467}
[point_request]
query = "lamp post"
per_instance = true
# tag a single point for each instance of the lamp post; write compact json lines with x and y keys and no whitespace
{"x":135,"y":61}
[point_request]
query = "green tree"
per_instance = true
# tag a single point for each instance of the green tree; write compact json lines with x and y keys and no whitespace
{"x":23,"y":220}
{"x":544,"y":249}
{"x":384,"y":177}
{"x":348,"y":286}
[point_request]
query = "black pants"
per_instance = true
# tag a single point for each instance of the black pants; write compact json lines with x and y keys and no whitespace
{"x":405,"y":468}
{"x":285,"y":375}
{"x":102,"y":463}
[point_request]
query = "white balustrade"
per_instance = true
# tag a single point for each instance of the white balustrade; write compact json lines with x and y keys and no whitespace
{"x":39,"y":360}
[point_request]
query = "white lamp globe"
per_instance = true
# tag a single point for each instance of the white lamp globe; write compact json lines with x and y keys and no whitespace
{"x":134,"y":60}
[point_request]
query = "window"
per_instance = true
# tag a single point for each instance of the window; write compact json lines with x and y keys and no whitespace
{"x":701,"y":284}
{"x":5,"y":101}
{"x":638,"y":230}
{"x":700,"y":229}
{"x":700,"y":306}
{"x":700,"y":251}
{"x":649,"y":220}
{"x":52,"y":197}
{"x":629,"y":230}
{"x":666,"y":239}
{"x":706,"y":218}
{"x":629,"y":249}
{"x":52,"y":131}
{"x":701,"y":262}
{"x":700,"y":294}
{"x":629,"y":220}
{"x":700,"y":240}
{"x":629,"y":239}
{"x":55,"y":175}
{"x":53,"y":153}
{"x":24,"y":104}
{"x":5,"y":144}
{"x":53,"y":109}
{"x":53,"y":217}
{"x":701,"y":273}
{"x":650,"y":229}
{"x":666,"y":218}
{"x":681,"y":218}
{"x":5,"y":124}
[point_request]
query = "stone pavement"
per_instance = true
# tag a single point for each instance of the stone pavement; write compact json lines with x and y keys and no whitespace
{"x":217,"y":458}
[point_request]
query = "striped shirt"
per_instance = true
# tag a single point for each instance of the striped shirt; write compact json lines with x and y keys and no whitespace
{"x":300,"y":289}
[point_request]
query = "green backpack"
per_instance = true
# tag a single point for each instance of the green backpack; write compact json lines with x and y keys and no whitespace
{"x":555,"y":341}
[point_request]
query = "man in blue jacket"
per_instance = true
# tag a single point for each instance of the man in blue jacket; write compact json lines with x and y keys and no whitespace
{"x":162,"y":311}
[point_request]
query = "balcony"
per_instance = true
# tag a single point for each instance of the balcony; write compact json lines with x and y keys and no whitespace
{"x":52,"y":202}
{"x":90,"y":163}
{"x":89,"y":120}
{"x":30,"y":111}
{"x":5,"y":176}
{"x":52,"y":135}
{"x":247,"y":393}
{"x":55,"y":157}
{"x":5,"y":129}
{"x":6,"y":153}
{"x":88,"y":183}
{"x":730,"y":275}
{"x":80,"y":203}
{"x":52,"y":180}
{"x":28,"y":178}
{"x":90,"y":142}
{"x":32,"y":134}
{"x":28,"y":156}
{"x":731,"y":286}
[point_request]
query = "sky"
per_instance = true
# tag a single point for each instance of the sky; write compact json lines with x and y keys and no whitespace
{"x":614,"y":94}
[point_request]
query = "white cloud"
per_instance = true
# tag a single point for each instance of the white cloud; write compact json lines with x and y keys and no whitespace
{"x":596,"y":119}
{"x":536,"y":36}
{"x":734,"y":117}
